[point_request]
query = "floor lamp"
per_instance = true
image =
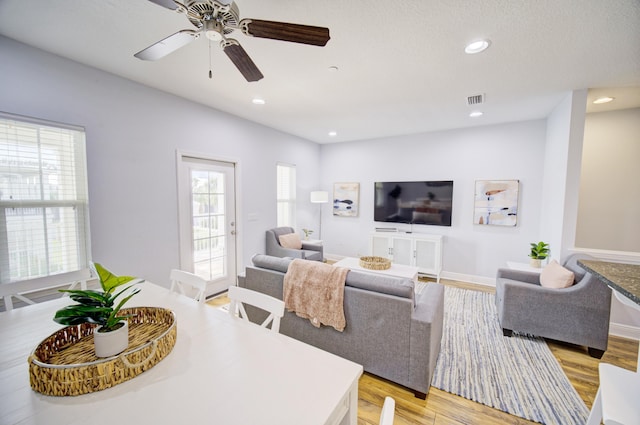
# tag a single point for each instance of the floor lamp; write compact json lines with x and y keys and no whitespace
{"x":320,"y":197}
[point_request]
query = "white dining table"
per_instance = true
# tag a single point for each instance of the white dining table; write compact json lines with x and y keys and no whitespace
{"x":222,"y":370}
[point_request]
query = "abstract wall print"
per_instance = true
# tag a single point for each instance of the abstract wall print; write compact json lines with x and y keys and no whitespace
{"x":345,"y":199}
{"x":496,"y":202}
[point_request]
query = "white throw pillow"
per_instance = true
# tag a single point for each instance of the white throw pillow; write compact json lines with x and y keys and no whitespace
{"x":556,"y":276}
{"x":291,"y":240}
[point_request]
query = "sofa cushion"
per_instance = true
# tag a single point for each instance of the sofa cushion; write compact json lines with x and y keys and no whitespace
{"x":390,"y":285}
{"x":556,"y":276}
{"x":271,"y":263}
{"x":291,"y":241}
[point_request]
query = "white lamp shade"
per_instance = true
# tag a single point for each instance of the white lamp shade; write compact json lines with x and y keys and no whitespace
{"x":319,"y":197}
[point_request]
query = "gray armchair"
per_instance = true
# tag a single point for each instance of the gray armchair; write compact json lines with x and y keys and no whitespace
{"x":578,"y":314}
{"x":308,"y":252}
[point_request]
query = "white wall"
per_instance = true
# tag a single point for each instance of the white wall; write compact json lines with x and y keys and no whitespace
{"x":608,"y":224}
{"x":132,"y":136}
{"x":501,"y":152}
{"x":609,"y":207}
{"x":561,"y":174}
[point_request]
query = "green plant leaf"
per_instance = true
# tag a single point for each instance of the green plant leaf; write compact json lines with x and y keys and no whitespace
{"x":108,"y":280}
{"x":539,"y":250}
{"x":76,"y":314}
{"x":88,"y":297}
{"x":113,"y":319}
{"x":123,"y":290}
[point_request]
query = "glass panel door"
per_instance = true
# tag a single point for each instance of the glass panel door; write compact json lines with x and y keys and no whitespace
{"x":207,"y":221}
{"x":208,"y":215}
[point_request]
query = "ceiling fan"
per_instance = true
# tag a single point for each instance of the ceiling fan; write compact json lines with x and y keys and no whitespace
{"x":217,"y":18}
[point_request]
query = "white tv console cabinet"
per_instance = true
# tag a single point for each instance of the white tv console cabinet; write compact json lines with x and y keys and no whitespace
{"x":412,"y":249}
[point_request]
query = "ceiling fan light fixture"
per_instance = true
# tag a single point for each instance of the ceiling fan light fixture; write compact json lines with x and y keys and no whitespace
{"x":213,"y":35}
{"x":476,"y":114}
{"x":477,"y":46}
{"x":603,"y":99}
{"x":213,"y":30}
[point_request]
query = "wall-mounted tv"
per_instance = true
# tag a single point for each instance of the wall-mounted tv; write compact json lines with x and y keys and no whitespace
{"x":426,"y":202}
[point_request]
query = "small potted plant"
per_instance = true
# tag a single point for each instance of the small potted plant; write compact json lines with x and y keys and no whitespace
{"x":539,"y":251}
{"x":307,"y":233}
{"x":111,"y":336}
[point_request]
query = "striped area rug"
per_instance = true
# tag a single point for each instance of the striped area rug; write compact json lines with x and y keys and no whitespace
{"x":518,"y":375}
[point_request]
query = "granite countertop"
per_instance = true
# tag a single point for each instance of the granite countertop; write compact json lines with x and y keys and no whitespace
{"x":622,"y":277}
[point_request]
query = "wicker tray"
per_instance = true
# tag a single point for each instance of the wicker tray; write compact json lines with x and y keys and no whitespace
{"x":375,"y":263}
{"x":64,"y":364}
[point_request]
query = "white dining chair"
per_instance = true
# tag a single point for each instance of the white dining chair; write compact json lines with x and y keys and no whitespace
{"x":273,"y":306}
{"x":616,"y":401}
{"x":388,"y":411}
{"x":197,"y":285}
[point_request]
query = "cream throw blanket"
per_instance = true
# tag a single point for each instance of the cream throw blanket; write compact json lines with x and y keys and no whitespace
{"x":315,"y":291}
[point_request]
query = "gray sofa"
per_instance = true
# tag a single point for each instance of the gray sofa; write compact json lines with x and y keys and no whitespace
{"x":272,"y":245}
{"x":578,"y":314}
{"x":389,"y":331}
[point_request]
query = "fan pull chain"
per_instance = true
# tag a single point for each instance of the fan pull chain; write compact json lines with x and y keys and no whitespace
{"x":210,"y":73}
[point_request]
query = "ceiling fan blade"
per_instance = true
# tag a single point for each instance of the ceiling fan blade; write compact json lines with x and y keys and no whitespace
{"x":170,"y":44}
{"x":241,"y":60}
{"x":305,"y":34}
{"x":169,"y":4}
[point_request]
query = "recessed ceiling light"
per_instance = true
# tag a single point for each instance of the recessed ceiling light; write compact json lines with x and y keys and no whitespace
{"x":258,"y":101}
{"x":333,"y":133}
{"x":333,"y":68}
{"x":603,"y":99}
{"x":477,"y":46}
{"x":475,"y":114}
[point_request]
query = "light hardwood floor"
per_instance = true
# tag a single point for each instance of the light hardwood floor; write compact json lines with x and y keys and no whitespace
{"x":442,"y":408}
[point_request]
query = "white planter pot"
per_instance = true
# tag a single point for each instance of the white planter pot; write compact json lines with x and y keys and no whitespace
{"x":109,"y":344}
{"x":535,"y":263}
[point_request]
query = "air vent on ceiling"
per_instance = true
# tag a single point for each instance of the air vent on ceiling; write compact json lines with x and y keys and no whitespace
{"x":475,"y":100}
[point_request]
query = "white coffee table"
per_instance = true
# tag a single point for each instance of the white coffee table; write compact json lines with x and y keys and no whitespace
{"x":399,"y":270}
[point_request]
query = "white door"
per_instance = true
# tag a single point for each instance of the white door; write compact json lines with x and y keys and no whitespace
{"x":206,"y":207}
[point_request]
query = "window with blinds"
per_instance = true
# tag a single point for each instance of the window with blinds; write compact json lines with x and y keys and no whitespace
{"x":44,"y":224}
{"x":286,"y":183}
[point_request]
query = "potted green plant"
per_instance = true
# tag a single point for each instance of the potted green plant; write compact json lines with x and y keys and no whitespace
{"x":539,"y":251}
{"x":307,"y":233}
{"x":111,"y":336}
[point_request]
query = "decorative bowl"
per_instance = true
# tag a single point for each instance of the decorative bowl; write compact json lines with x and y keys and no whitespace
{"x":375,"y":263}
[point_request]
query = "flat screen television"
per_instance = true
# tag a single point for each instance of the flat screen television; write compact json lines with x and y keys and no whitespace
{"x":426,"y":202}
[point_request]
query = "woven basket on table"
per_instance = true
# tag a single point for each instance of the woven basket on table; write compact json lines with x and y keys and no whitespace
{"x":375,"y":263}
{"x":65,"y":364}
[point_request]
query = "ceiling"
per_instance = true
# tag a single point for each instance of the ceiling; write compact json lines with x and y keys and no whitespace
{"x":401,"y":65}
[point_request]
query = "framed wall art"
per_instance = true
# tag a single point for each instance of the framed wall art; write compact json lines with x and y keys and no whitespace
{"x":346,"y":199}
{"x":496,"y":202}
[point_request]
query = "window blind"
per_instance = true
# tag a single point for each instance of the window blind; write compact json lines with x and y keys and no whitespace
{"x":44,"y":223}
{"x":286,"y":195}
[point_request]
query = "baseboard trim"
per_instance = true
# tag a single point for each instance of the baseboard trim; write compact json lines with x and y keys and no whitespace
{"x":469,"y":278}
{"x":624,"y":331}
